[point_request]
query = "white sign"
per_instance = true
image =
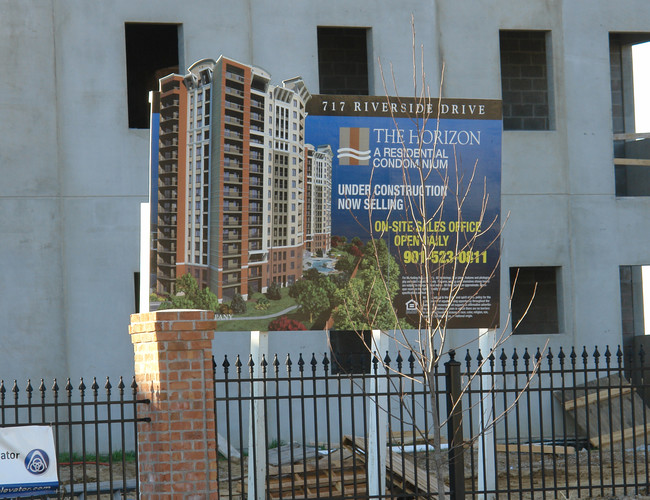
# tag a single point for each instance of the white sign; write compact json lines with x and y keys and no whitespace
{"x":27,"y":461}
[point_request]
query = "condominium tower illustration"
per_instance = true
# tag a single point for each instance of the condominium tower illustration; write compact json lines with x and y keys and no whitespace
{"x":234,"y":179}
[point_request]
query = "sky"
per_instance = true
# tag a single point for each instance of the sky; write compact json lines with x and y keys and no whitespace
{"x":641,"y":69}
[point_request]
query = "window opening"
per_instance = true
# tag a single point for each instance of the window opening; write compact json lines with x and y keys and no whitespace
{"x":535,"y":302}
{"x":631,"y":132}
{"x":526,"y":79}
{"x":343,"y":60}
{"x":151,"y":53}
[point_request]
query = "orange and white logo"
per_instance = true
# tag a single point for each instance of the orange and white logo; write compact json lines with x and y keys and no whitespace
{"x":354,"y":146}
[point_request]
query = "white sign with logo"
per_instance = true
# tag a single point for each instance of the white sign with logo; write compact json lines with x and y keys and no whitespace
{"x":27,"y":461}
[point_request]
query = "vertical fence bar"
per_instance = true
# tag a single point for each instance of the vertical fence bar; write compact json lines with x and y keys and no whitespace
{"x":401,"y":393}
{"x":455,"y":429}
{"x":551,"y":375}
{"x":226,"y":388}
{"x":3,"y":391}
{"x":585,"y":371}
{"x":29,"y":389}
{"x":95,"y":388}
{"x":301,"y":369}
{"x":599,"y":427}
{"x":529,"y":425}
{"x":288,"y":364}
{"x":328,"y":429}
{"x":574,"y":394}
{"x":561,"y":356}
{"x":540,"y":402}
{"x":121,"y":387}
{"x":376,"y":431}
{"x":276,"y":373}
{"x":263,"y":444}
{"x":134,"y":395}
{"x":82,"y":394}
{"x":387,"y":382}
{"x":608,"y":368}
{"x":645,"y":391}
{"x":314,"y":386}
{"x":109,"y":421}
{"x":503,"y":358}
{"x":515,"y":360}
{"x":68,"y":389}
{"x":339,"y":401}
{"x":634,"y":435}
{"x":240,"y":413}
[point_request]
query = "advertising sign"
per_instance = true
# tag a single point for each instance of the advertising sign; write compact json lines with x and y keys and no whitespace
{"x":265,"y":198}
{"x":407,"y":169}
{"x":28,"y":461}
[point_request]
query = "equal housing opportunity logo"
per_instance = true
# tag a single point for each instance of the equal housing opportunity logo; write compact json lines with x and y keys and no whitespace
{"x":354,"y":146}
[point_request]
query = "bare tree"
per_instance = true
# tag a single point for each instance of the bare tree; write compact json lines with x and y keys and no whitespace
{"x":450,"y":238}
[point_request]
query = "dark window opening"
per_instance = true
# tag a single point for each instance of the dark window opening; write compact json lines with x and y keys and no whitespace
{"x":350,"y":351}
{"x":151,"y":53}
{"x":631,"y":284}
{"x":525,"y":79}
{"x":534,"y":302}
{"x":343,"y":60}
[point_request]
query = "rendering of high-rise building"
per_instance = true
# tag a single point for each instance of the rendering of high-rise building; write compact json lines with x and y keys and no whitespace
{"x":318,"y":214}
{"x":171,"y":160}
{"x":231,"y":187}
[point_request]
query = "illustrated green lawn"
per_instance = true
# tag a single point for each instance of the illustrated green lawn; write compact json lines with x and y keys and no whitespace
{"x":240,"y":323}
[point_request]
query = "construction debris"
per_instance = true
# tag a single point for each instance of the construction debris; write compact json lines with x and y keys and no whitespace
{"x":607,"y":411}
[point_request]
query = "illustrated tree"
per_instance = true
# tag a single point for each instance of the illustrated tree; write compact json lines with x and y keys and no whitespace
{"x":273,"y":292}
{"x":312,"y":293}
{"x":190,"y":296}
{"x":238,"y":304}
{"x":366,"y":302}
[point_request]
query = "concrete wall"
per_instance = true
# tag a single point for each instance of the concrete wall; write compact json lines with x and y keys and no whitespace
{"x":74,"y":174}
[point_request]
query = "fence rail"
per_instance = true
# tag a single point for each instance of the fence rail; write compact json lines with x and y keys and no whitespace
{"x":536,"y":424}
{"x":95,"y":432}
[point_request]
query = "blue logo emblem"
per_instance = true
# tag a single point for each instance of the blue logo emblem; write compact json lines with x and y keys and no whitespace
{"x":37,"y":461}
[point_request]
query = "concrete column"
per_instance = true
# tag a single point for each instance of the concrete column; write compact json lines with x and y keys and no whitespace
{"x":177,"y":454}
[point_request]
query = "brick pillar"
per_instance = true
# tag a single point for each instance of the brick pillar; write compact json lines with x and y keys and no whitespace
{"x":173,"y":367}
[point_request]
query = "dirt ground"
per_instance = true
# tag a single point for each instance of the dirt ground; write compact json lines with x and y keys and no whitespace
{"x":89,"y":474}
{"x":530,"y":473}
{"x":608,"y":467}
{"x":525,"y":476}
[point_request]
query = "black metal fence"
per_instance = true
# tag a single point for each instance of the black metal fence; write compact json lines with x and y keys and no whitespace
{"x":538,"y":424}
{"x":94,"y":428}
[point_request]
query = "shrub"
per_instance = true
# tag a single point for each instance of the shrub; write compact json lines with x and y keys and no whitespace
{"x":238,"y":304}
{"x":283,"y":323}
{"x":262,"y":304}
{"x":273,"y":292}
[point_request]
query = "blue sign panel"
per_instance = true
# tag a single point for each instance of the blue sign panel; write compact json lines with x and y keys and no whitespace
{"x":425,"y":177}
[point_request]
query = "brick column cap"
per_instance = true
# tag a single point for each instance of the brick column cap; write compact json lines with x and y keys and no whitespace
{"x":172,"y":324}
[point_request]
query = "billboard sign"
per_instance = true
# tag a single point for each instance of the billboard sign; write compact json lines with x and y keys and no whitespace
{"x":264,"y":198}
